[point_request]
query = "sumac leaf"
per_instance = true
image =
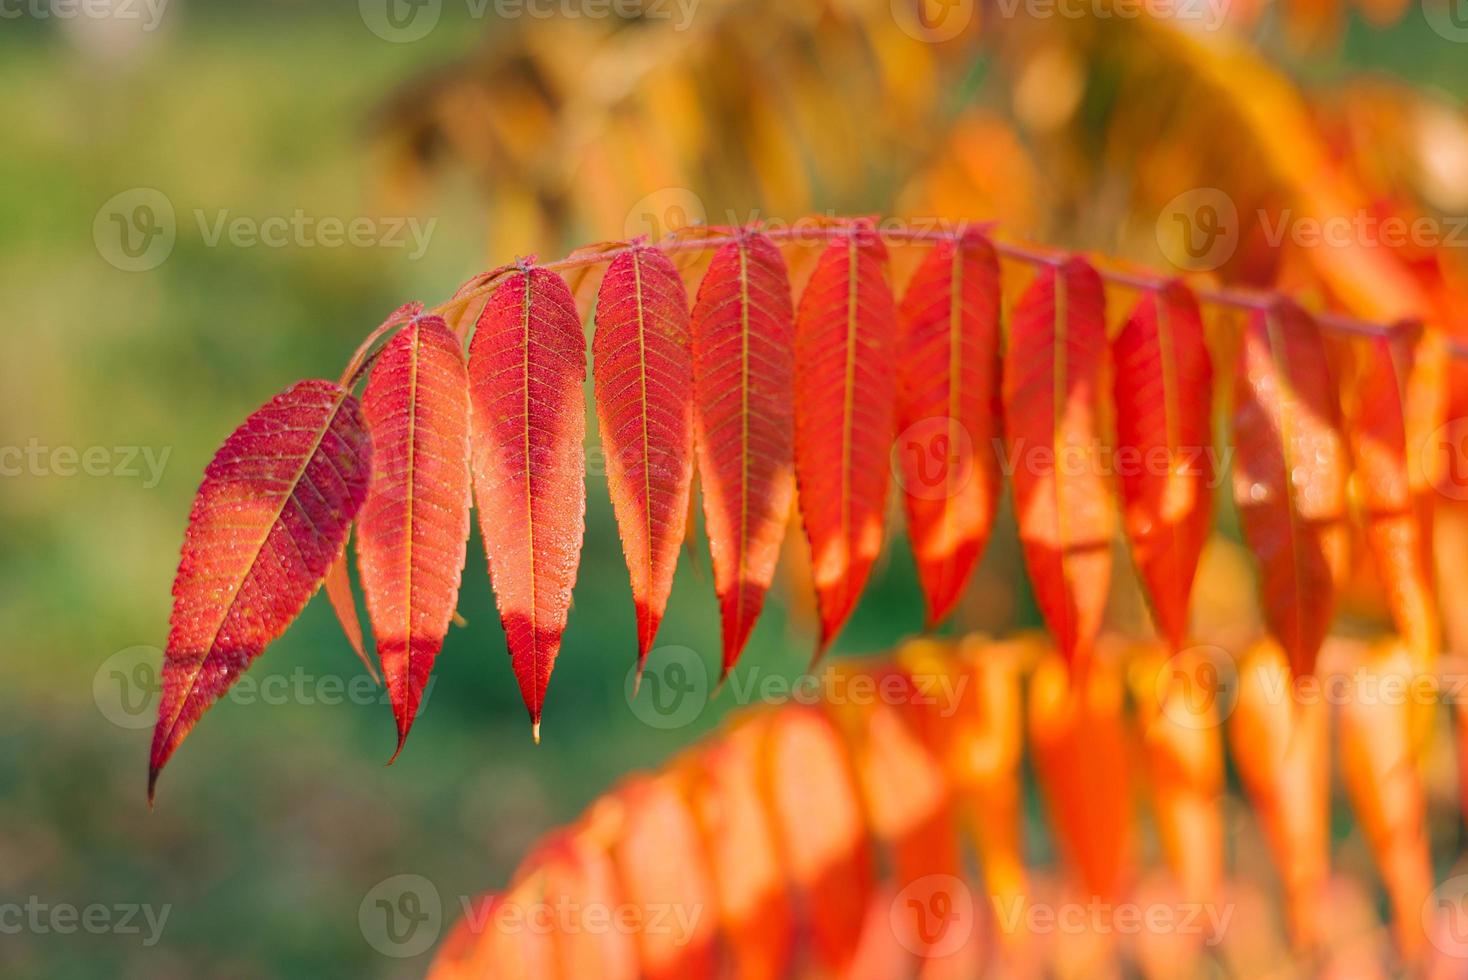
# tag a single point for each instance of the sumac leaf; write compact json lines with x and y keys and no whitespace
{"x":1082,"y":761}
{"x":1378,"y":763}
{"x":816,"y":815}
{"x":755,"y":910}
{"x":1280,"y":743}
{"x":527,"y":364}
{"x":1290,"y":476}
{"x":338,"y":587}
{"x":1052,"y":377}
{"x":1164,"y":385}
{"x":743,"y":379}
{"x":642,"y":360}
{"x":660,"y":863}
{"x":1392,"y":476}
{"x":270,"y":518}
{"x":948,"y":414}
{"x":415,"y":524}
{"x":844,"y":410}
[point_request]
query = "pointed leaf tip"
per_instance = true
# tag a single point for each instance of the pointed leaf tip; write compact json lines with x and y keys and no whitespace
{"x":844,"y":409}
{"x":414,"y":527}
{"x":642,"y":359}
{"x":527,"y":365}
{"x":743,"y":378}
{"x":269,"y":519}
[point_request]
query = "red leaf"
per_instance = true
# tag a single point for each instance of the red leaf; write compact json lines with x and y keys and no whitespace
{"x":527,"y":363}
{"x":339,"y":591}
{"x":844,"y":409}
{"x":270,"y":517}
{"x":643,"y":367}
{"x":1393,"y":477}
{"x":1164,"y":394}
{"x":948,"y":413}
{"x":415,"y":524}
{"x":1052,"y":375}
{"x":1290,"y":477}
{"x":744,"y":358}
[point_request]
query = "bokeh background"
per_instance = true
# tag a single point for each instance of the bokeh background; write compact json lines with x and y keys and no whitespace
{"x":501,"y":133}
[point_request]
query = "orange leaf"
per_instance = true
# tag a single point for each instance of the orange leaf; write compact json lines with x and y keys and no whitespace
{"x":1052,"y":377}
{"x":1279,"y":742}
{"x":270,"y":517}
{"x":1290,"y":476}
{"x":743,"y":369}
{"x":844,"y":392}
{"x":660,"y":863}
{"x":1391,"y":475}
{"x":1078,"y":737}
{"x":818,"y":821}
{"x":749,"y":880}
{"x":415,"y":524}
{"x":643,"y":367}
{"x":1182,"y":748}
{"x":527,"y":364}
{"x":948,"y":413}
{"x":576,"y":894}
{"x":1379,"y":768}
{"x":338,"y":587}
{"x":1164,"y":385}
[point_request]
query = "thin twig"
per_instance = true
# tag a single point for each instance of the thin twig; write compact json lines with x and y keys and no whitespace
{"x":698,"y":238}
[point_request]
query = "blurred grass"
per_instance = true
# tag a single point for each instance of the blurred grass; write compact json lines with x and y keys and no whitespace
{"x":276,"y":820}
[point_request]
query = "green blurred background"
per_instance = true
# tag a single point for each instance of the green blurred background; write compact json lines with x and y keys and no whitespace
{"x":278,"y":817}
